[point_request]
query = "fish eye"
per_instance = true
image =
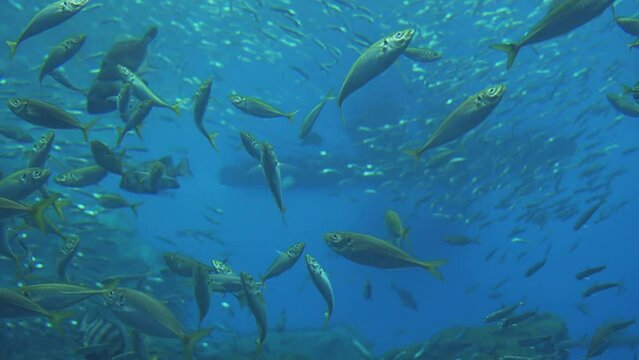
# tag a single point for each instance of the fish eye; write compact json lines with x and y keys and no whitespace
{"x":398,"y":35}
{"x":37,"y":174}
{"x":15,"y":102}
{"x":335,"y":237}
{"x":112,"y":293}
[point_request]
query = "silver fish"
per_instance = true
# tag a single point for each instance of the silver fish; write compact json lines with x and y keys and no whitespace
{"x":323,"y":285}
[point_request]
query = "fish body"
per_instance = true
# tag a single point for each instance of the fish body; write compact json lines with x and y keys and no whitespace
{"x":123,"y":101}
{"x":181,"y":264}
{"x":271,"y":169}
{"x":142,"y":91}
{"x":62,"y":79}
{"x":41,"y":150}
{"x":535,"y":267}
{"x":596,"y":288}
{"x":372,"y":62}
{"x":562,"y":17}
{"x":588,"y":272}
{"x":502,"y":312}
{"x":135,"y":119}
{"x":368,"y":250}
{"x":201,"y":290}
{"x":259,"y":108}
{"x":43,"y":114}
{"x":322,"y":284}
{"x":61,"y":54}
{"x":53,"y":297}
{"x":81,"y":177}
{"x":468,"y":115}
{"x":115,"y":201}
{"x":148,"y":315}
{"x":284,"y":261}
{"x":66,"y":254}
{"x":311,"y":117}
{"x":251,"y":145}
{"x":623,"y":105}
{"x":422,"y":55}
{"x":16,"y":133}
{"x":49,"y":17}
{"x":257,"y":305}
{"x":22,"y":183}
{"x":200,"y":103}
{"x":395,"y":227}
{"x":584,"y":217}
{"x":14,"y":305}
{"x":106,"y":158}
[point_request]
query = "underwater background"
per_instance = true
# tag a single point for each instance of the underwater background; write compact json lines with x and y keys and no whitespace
{"x":552,"y":149}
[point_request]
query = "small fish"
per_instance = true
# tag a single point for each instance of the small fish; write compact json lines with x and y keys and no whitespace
{"x":141,"y":111}
{"x":562,"y":17}
{"x":220,"y":267}
{"x":106,"y":158}
{"x":628,"y":24}
{"x":115,"y":201}
{"x":66,"y":254}
{"x":468,"y":115}
{"x":368,"y":250}
{"x":502,"y":312}
{"x":516,"y":319}
{"x":259,"y":108}
{"x":372,"y":62}
{"x":323,"y":285}
{"x":16,"y":133}
{"x":142,"y":91}
{"x":49,"y":17}
{"x":43,"y":114}
{"x":257,"y":305}
{"x":396,"y":229}
{"x":271,"y":170}
{"x":422,"y":55}
{"x":407,"y":298}
{"x":535,"y":267}
{"x":251,"y":145}
{"x":81,"y":177}
{"x":311,"y":117}
{"x":601,"y":287}
{"x":583,"y":218}
{"x":588,"y":272}
{"x":62,"y":79}
{"x":201,"y":290}
{"x":200,"y":102}
{"x":41,"y":150}
{"x":148,"y":315}
{"x":284,"y":261}
{"x":22,"y":183}
{"x":61,"y":54}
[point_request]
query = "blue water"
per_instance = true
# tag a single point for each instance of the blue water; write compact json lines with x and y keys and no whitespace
{"x":577,"y":69}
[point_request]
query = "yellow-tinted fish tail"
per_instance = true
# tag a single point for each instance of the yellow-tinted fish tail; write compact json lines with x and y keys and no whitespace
{"x":327,"y":318}
{"x":212,"y":137}
{"x":414,"y":154}
{"x":37,"y":211}
{"x":13,"y":47}
{"x":406,"y":241}
{"x":290,"y":116}
{"x":176,"y":108}
{"x":192,"y":339}
{"x":341,"y":114}
{"x":134,"y":208}
{"x":510,"y":49}
{"x":86,"y":127}
{"x":56,"y":318}
{"x":121,"y":134}
{"x":432,"y":267}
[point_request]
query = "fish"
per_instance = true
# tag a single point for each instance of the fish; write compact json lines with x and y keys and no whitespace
{"x":257,"y":305}
{"x":588,"y":272}
{"x":148,"y":315}
{"x":81,"y":177}
{"x":200,"y":102}
{"x":59,"y":76}
{"x":41,"y":149}
{"x":368,"y":250}
{"x":49,"y":17}
{"x":623,"y":105}
{"x":460,"y":240}
{"x":259,"y":108}
{"x":61,"y":54}
{"x":468,"y":115}
{"x":601,"y":287}
{"x":123,"y":101}
{"x":516,"y":319}
{"x":503,"y":312}
{"x":630,"y":25}
{"x":372,"y":62}
{"x":271,"y":170}
{"x":10,"y":209}
{"x":422,"y":55}
{"x":106,"y":158}
{"x":585,"y":216}
{"x":311,"y":117}
{"x":99,"y":337}
{"x":284,"y":261}
{"x":7,"y":234}
{"x":562,"y":17}
{"x":66,"y":254}
{"x":56,"y":296}
{"x":16,"y":133}
{"x":139,"y":113}
{"x":181,"y":264}
{"x":129,"y":53}
{"x":43,"y":114}
{"x":322,"y":284}
{"x":535,"y":267}
{"x":251,"y":145}
{"x":22,"y":183}
{"x":142,"y":91}
{"x":396,"y":229}
{"x":15,"y":305}
{"x":407,"y":298}
{"x":219,"y":267}
{"x":115,"y":201}
{"x":201,"y":290}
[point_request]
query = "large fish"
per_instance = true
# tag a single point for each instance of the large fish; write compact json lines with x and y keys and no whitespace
{"x":562,"y":18}
{"x":148,"y":315}
{"x":257,"y":305}
{"x":373,"y":61}
{"x":51,"y":16}
{"x":54,"y":297}
{"x":368,"y":250}
{"x":463,"y":119}
{"x":323,"y":284}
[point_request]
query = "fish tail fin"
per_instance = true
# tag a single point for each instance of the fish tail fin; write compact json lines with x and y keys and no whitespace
{"x":258,"y":350}
{"x":87,"y":127}
{"x":290,"y":116}
{"x":184,"y":168}
{"x":409,"y":245}
{"x":283,"y":219}
{"x":329,"y":95}
{"x":327,"y":317}
{"x":212,"y":137}
{"x":192,"y":339}
{"x":13,"y":47}
{"x":432,"y":267}
{"x":37,"y":211}
{"x":134,"y":208}
{"x":341,"y":114}
{"x":56,"y":318}
{"x":414,"y":154}
{"x":121,"y":133}
{"x":176,"y":108}
{"x":510,"y":49}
